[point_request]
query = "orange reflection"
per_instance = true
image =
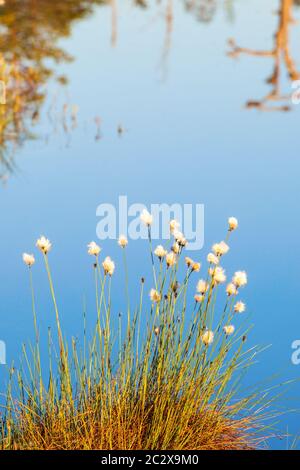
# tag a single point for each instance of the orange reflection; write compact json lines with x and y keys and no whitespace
{"x":275,"y":100}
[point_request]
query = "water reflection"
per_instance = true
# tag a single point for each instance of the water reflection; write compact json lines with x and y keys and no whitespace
{"x":282,"y":58}
{"x":204,"y":10}
{"x":29,"y":32}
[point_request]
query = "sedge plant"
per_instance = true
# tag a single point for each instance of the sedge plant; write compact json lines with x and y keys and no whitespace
{"x":171,"y":379}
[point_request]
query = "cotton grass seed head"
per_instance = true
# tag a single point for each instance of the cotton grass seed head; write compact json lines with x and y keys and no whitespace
{"x":175,"y":248}
{"x":156,"y":330}
{"x":108,"y":266}
{"x":155,"y":295}
{"x":174,"y":225}
{"x":28,"y":259}
{"x":171,"y":259}
{"x":93,"y":249}
{"x":202,"y":286}
{"x":228,"y":330}
{"x":240,"y":279}
{"x":231,"y":289}
{"x":180,"y":238}
{"x":239,"y":307}
{"x":212,"y":259}
{"x":218,"y":275}
{"x":199,"y":298}
{"x":196,"y":267}
{"x":160,"y":252}
{"x":146,"y":217}
{"x":122,"y":242}
{"x":207,"y":337}
{"x":188,"y":261}
{"x":192,"y":264}
{"x":220,"y":249}
{"x":44,"y":245}
{"x":232,"y":223}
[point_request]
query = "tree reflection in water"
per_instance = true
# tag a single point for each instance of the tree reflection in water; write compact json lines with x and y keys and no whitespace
{"x":275,"y":100}
{"x":29,"y":34}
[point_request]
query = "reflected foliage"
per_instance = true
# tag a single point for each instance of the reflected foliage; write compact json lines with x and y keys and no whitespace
{"x":29,"y":54}
{"x":204,"y":10}
{"x":29,"y":34}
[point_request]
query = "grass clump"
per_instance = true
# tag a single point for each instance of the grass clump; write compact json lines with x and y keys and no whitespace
{"x":168,"y":379}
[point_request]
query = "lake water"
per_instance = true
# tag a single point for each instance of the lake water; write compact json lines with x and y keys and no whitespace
{"x":154,"y":108}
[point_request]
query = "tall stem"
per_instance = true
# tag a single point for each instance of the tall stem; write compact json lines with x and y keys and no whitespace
{"x":152,"y":257}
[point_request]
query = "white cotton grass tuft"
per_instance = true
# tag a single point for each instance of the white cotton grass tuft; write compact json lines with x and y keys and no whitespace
{"x":28,"y":259}
{"x":202,"y":286}
{"x":232,"y":223}
{"x":44,"y":245}
{"x":220,"y":249}
{"x":93,"y":249}
{"x":171,"y":259}
{"x":180,"y":238}
{"x":218,"y":275}
{"x":155,"y":295}
{"x":175,"y":248}
{"x":212,"y":259}
{"x":122,"y":242}
{"x":231,"y":289}
{"x":188,"y":261}
{"x":160,"y":252}
{"x":240,"y":279}
{"x":196,"y":267}
{"x":228,"y":329}
{"x":174,"y":225}
{"x":146,"y":217}
{"x":207,"y":337}
{"x":108,"y":266}
{"x":239,"y":307}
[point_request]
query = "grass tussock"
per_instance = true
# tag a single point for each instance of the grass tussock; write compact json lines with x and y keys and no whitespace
{"x":169,"y":377}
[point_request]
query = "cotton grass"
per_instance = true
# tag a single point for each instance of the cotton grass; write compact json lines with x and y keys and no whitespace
{"x":166,"y":379}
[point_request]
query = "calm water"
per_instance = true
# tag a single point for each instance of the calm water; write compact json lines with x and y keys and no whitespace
{"x":160,"y":71}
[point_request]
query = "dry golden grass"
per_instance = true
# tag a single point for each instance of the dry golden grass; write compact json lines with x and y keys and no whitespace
{"x":202,"y":432}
